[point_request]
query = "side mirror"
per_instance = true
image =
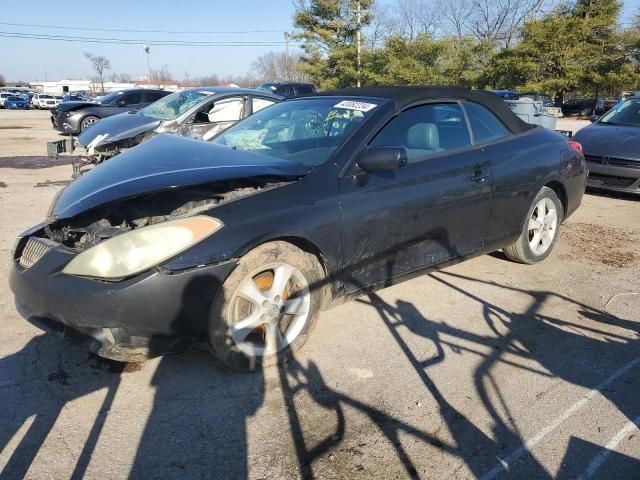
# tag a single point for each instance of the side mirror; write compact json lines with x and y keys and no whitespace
{"x":382,"y":158}
{"x":593,"y":118}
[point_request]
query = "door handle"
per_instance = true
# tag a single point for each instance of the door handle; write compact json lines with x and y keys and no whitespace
{"x":480,"y":176}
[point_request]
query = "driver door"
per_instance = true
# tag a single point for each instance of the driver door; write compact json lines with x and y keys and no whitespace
{"x":433,"y":209}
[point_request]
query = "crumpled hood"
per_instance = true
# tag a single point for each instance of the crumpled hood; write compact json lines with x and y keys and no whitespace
{"x":118,"y":127}
{"x":611,"y":140}
{"x":74,"y":105}
{"x":165,"y":162}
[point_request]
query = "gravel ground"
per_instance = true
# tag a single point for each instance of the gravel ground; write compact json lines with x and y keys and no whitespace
{"x":487,"y":369}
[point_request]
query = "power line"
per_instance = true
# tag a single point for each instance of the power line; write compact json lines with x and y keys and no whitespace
{"x":171,"y":32}
{"x":130,"y":41}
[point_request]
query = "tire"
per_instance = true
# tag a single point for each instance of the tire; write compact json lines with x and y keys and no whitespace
{"x":265,"y":267}
{"x":87,"y":122}
{"x":537,"y":239}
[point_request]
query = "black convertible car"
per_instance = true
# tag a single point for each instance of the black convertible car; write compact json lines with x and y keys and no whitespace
{"x":76,"y":117}
{"x":612,"y":148}
{"x":243,"y":240}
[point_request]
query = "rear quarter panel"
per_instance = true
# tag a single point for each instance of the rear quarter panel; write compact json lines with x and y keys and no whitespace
{"x":521,"y":166}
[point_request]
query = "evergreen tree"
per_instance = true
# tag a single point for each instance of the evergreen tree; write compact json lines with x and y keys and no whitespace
{"x":328,"y":39}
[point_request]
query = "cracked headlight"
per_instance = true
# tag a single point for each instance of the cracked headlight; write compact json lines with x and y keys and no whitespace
{"x":136,"y":251}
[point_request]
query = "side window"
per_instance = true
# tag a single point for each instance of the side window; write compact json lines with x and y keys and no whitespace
{"x":304,"y":89}
{"x":286,"y":91}
{"x":226,"y":110}
{"x":129,"y":99}
{"x":484,"y":125}
{"x":153,"y":96}
{"x":260,"y":103}
{"x":426,"y":130}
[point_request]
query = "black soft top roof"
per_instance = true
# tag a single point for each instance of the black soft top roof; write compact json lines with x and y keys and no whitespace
{"x":408,"y":95}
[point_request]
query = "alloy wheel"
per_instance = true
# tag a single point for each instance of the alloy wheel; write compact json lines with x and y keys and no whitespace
{"x":543,"y":225}
{"x":269,"y":309}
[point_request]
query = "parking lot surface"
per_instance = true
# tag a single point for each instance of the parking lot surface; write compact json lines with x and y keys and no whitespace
{"x":488,"y":369}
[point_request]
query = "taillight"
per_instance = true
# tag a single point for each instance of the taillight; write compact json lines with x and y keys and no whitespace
{"x":576,"y":147}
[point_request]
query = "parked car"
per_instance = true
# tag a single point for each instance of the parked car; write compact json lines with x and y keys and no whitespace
{"x":3,"y":98}
{"x":16,"y":103}
{"x":583,"y":106}
{"x":506,"y":94}
{"x":43,"y":101}
{"x":288,"y":90}
{"x":612,"y":148}
{"x":75,"y":117}
{"x":240,"y":241}
{"x":74,"y":98}
{"x":608,"y":104}
{"x":198,"y":113}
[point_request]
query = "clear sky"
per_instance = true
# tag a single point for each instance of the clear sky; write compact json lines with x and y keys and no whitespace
{"x":26,"y":59}
{"x":263,"y":21}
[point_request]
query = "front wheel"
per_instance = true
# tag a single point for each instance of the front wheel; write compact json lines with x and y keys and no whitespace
{"x":87,"y":122}
{"x":540,"y":229}
{"x":266,"y":307}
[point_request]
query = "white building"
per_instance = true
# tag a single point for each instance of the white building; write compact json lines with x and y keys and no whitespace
{"x":57,"y":87}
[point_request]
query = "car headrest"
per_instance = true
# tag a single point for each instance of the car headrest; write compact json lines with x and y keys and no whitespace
{"x":423,"y":136}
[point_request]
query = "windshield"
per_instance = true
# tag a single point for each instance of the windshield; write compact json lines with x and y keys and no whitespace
{"x":15,"y":99}
{"x":174,"y":105}
{"x":46,"y":96}
{"x":302,"y":131}
{"x":109,"y":97}
{"x":624,"y":113}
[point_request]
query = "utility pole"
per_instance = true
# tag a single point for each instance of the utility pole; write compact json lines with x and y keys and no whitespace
{"x":358,"y":41}
{"x":147,"y":49}
{"x":286,"y":56}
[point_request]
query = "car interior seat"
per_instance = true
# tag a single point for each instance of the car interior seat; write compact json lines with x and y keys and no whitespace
{"x":422,"y":139}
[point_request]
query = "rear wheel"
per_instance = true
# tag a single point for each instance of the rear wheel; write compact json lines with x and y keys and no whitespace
{"x":266,"y":308}
{"x":540,"y":229}
{"x":87,"y":122}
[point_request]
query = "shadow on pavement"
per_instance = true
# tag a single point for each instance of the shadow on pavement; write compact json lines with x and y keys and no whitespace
{"x":198,"y":424}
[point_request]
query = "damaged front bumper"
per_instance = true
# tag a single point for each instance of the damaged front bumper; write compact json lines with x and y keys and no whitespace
{"x":85,"y":160}
{"x":127,"y":321}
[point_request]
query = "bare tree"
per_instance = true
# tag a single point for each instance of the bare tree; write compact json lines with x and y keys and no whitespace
{"x":162,"y":75}
{"x":3,"y":81}
{"x":121,"y":78}
{"x":457,"y":14}
{"x":209,"y":80}
{"x":501,"y":20}
{"x":276,"y":66}
{"x":413,"y":17}
{"x":100,"y":64}
{"x":382,"y":24}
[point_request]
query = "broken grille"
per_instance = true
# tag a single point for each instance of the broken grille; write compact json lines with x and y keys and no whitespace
{"x":33,"y":251}
{"x":616,"y":162}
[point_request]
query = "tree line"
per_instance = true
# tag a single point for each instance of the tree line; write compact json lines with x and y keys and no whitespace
{"x":577,"y":47}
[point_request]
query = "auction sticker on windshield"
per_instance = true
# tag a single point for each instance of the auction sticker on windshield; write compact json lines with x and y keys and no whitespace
{"x":360,"y":106}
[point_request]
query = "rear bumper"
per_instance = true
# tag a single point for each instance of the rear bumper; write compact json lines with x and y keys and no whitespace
{"x":127,"y":318}
{"x":614,"y":178}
